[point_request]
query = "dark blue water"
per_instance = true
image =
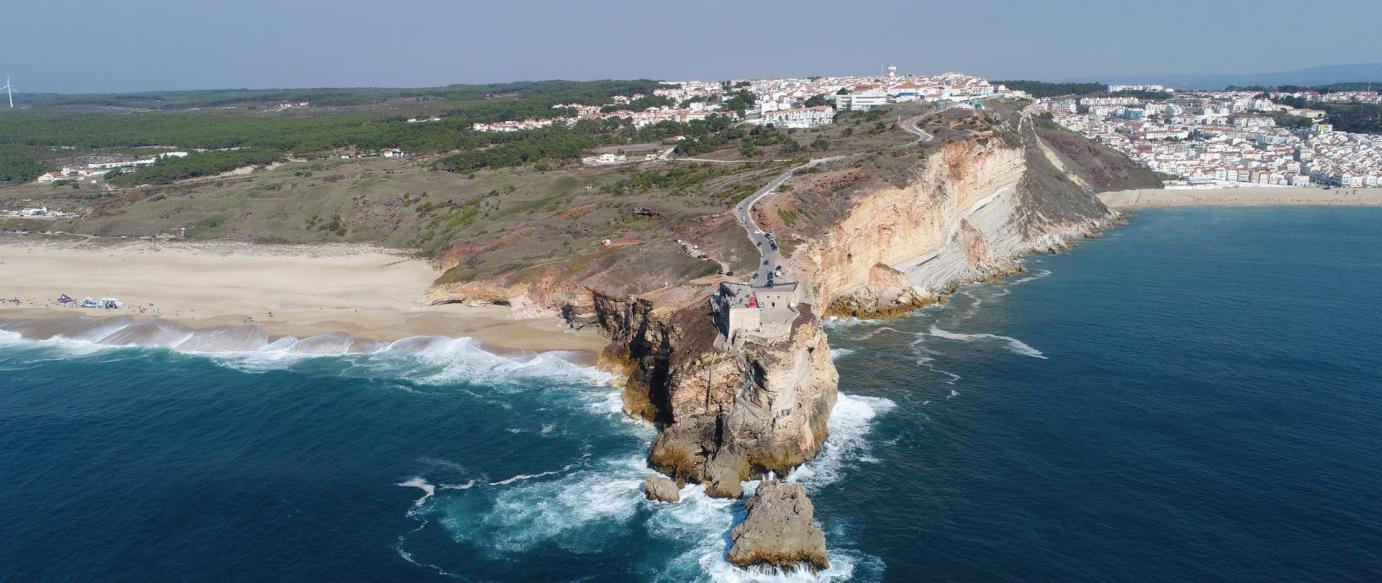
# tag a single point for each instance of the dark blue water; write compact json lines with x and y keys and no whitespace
{"x":1193,"y":397}
{"x":1197,"y":396}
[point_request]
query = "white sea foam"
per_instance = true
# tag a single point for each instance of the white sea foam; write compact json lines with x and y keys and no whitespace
{"x":927,"y":358}
{"x":838,"y":353}
{"x":434,"y":360}
{"x":581,"y":506}
{"x":707,"y":521}
{"x":876,"y":331}
{"x":525,"y":515}
{"x":1012,"y":344}
{"x":422,"y":484}
{"x":1040,"y":274}
{"x":463,"y":359}
{"x":850,"y":423}
{"x":838,"y":323}
{"x":975,"y":303}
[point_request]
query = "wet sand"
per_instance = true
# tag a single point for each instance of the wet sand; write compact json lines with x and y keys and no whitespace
{"x":1250,"y":196}
{"x":288,"y":290}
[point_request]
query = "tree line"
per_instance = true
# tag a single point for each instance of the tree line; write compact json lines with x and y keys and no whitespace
{"x":1362,"y":118}
{"x":170,"y":169}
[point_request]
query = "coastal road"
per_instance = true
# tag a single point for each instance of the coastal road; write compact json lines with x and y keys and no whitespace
{"x":744,"y":212}
{"x":768,"y":259}
{"x":922,"y":135}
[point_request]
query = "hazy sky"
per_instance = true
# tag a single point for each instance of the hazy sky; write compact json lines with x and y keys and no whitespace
{"x":130,"y":45}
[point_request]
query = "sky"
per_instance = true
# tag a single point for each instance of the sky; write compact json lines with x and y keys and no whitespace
{"x":140,"y":45}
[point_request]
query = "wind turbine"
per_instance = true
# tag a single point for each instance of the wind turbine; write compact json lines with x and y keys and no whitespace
{"x":9,"y":90}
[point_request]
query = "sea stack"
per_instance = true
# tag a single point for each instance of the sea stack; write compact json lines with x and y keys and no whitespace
{"x":660,"y":488}
{"x":778,"y":530}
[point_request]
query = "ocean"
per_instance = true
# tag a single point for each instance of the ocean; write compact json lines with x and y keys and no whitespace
{"x":1195,"y":396}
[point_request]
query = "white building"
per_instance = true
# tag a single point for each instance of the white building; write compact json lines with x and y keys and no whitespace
{"x":862,"y":101}
{"x":801,"y":117}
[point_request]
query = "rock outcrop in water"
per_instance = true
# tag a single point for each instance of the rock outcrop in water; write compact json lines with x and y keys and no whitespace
{"x":779,"y":530}
{"x":726,"y":414}
{"x":660,"y":488}
{"x":880,"y":244}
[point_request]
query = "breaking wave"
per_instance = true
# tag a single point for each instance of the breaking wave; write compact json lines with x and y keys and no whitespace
{"x":581,"y":507}
{"x":847,"y":442}
{"x":586,"y":506}
{"x":427,"y":360}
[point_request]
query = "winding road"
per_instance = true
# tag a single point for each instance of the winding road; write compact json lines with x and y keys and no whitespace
{"x":744,"y":210}
{"x":767,"y":248}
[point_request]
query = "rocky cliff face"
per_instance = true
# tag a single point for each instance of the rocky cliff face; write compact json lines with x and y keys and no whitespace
{"x":969,"y":213}
{"x":727,"y":414}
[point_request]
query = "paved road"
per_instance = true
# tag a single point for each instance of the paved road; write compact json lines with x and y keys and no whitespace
{"x":744,"y":212}
{"x":768,"y":260}
{"x":922,"y":135}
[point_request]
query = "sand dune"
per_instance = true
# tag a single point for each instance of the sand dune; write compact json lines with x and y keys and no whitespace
{"x":296,"y":290}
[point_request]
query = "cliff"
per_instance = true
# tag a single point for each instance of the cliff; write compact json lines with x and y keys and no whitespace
{"x":879,"y":232}
{"x":966,"y":213}
{"x":726,"y":413}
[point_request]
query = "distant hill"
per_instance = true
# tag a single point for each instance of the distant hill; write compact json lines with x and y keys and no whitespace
{"x":1307,"y":77}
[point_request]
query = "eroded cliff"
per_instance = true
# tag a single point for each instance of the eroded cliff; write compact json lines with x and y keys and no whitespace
{"x":967,"y":213}
{"x":727,"y":413}
{"x":880,"y":233}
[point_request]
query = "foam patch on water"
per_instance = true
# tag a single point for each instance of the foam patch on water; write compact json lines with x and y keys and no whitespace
{"x":838,"y":323}
{"x":850,"y":423}
{"x":428,"y":489}
{"x":581,"y":507}
{"x":1040,"y":274}
{"x":1012,"y":344}
{"x":575,"y":511}
{"x":708,"y":521}
{"x":838,"y":353}
{"x":431,"y":360}
{"x":463,"y":359}
{"x":927,"y":358}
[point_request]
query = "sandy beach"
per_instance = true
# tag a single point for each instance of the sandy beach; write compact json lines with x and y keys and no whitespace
{"x":367,"y":292}
{"x":1152,"y":198}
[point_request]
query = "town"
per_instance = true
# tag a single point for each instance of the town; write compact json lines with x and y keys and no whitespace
{"x":1227,"y":138}
{"x":786,"y":103}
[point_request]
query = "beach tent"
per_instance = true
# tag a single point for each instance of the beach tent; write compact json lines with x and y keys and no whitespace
{"x":65,"y":299}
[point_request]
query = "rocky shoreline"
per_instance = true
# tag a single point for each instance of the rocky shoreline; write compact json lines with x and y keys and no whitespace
{"x":881,"y":304}
{"x":758,"y":407}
